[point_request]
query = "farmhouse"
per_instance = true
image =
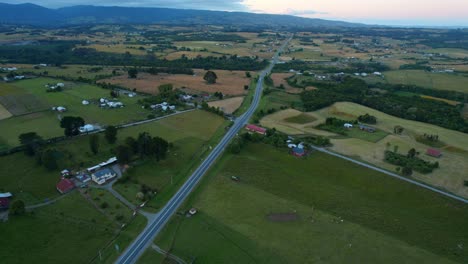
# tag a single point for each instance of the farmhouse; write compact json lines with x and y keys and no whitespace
{"x":102,"y":176}
{"x":367,"y":128}
{"x":434,"y":153}
{"x":5,"y":200}
{"x":65,"y":186}
{"x":256,"y":129}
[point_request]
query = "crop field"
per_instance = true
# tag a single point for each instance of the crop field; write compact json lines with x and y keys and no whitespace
{"x":18,"y":101}
{"x":229,"y":105}
{"x":440,"y":81}
{"x":46,"y":123}
{"x":280,"y":121}
{"x":343,"y":213}
{"x":453,"y":163}
{"x":280,"y":78}
{"x":228,"y":82}
{"x":230,"y":48}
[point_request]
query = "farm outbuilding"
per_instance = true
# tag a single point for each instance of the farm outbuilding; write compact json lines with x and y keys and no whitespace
{"x":65,"y":186}
{"x":5,"y":200}
{"x":434,"y":153}
{"x":256,"y":129}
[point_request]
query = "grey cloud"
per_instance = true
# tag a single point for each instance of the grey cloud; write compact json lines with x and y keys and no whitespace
{"x":303,"y":12}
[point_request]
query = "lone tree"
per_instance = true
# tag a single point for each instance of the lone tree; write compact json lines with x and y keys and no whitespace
{"x":210,"y":77}
{"x":32,"y":141}
{"x":17,"y":207}
{"x":94,"y":143}
{"x":71,"y":124}
{"x":49,"y":159}
{"x":111,"y":134}
{"x":132,"y":73}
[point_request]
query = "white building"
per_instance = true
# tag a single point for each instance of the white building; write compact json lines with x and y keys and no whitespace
{"x":102,"y":176}
{"x":86,"y":128}
{"x":348,"y":125}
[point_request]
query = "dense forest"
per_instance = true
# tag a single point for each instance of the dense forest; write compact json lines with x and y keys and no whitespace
{"x":412,"y":108}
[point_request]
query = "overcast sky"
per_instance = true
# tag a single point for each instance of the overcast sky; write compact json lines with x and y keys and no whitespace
{"x":388,"y":12}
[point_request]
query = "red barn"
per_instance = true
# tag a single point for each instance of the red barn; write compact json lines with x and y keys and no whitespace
{"x":65,"y":186}
{"x":4,"y":203}
{"x":434,"y":153}
{"x":256,"y":129}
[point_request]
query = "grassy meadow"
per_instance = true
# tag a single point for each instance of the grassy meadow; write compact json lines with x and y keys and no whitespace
{"x":439,"y":81}
{"x":345,"y":213}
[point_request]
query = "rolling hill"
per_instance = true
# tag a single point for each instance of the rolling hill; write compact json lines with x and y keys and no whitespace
{"x":30,"y":14}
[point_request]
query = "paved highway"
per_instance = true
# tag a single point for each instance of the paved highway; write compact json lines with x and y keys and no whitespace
{"x":146,"y":237}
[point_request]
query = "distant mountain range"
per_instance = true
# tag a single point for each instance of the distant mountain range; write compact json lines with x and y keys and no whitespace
{"x":34,"y":15}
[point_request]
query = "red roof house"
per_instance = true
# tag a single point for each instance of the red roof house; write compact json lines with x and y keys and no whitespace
{"x":4,"y":202}
{"x":65,"y":185}
{"x":434,"y":153}
{"x":256,"y":129}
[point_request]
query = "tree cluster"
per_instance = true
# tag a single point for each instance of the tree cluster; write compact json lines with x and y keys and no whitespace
{"x":410,"y":161}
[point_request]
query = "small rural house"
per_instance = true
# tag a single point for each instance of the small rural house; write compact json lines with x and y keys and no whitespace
{"x":65,"y":185}
{"x":256,"y":129}
{"x":434,"y":153}
{"x":5,"y":200}
{"x":298,"y":152}
{"x":348,"y":125}
{"x":102,"y":176}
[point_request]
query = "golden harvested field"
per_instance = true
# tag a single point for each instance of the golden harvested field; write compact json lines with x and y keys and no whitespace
{"x":229,"y":82}
{"x":228,"y":105}
{"x":4,"y":113}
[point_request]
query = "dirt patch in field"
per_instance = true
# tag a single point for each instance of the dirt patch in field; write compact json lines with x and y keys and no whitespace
{"x":4,"y":113}
{"x":228,"y":106}
{"x":228,"y":82}
{"x":283,"y":217}
{"x":280,"y":78}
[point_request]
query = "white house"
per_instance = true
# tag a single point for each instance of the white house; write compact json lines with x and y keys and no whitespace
{"x":348,"y":125}
{"x":102,"y":176}
{"x":172,"y":107}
